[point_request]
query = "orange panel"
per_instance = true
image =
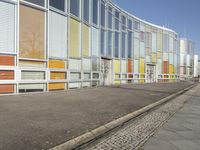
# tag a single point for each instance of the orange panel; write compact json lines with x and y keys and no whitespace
{"x":7,"y":60}
{"x":56,"y":64}
{"x":6,"y":88}
{"x":130,"y":66}
{"x":56,"y":86}
{"x":6,"y":75}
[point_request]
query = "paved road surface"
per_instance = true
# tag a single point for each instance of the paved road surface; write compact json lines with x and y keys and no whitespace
{"x":41,"y":121}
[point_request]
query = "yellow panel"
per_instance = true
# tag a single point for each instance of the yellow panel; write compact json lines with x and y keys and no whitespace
{"x":159,"y":41}
{"x":56,"y":86}
{"x":153,"y":58}
{"x":141,"y":81}
{"x":57,"y":75}
{"x":117,"y":66}
{"x":142,"y":66}
{"x":56,"y":64}
{"x":171,"y":69}
{"x":74,"y":39}
{"x":85,"y":40}
{"x":159,"y":55}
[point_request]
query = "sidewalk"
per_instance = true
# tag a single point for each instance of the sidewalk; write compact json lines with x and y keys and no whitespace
{"x":42,"y":121}
{"x":182,"y":132}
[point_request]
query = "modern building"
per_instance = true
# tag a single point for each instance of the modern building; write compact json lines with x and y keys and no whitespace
{"x":48,"y":45}
{"x":186,"y":59}
{"x":196,"y":66}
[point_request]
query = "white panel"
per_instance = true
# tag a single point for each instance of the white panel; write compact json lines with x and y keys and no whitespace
{"x":75,"y":76}
{"x":142,"y":49}
{"x":57,"y":35}
{"x":165,"y":56}
{"x":171,"y":44}
{"x":154,"y":43}
{"x":31,"y":86}
{"x":75,"y":64}
{"x":95,"y":42}
{"x":136,"y":66}
{"x":136,"y":48}
{"x":148,"y":59}
{"x":86,"y":84}
{"x":123,"y":66}
{"x":86,"y":64}
{"x":74,"y":85}
{"x":182,"y":60}
{"x":30,"y":75}
{"x":7,"y":27}
{"x":188,"y":60}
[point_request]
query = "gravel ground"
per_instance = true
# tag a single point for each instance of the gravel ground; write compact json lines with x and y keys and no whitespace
{"x":136,"y":132}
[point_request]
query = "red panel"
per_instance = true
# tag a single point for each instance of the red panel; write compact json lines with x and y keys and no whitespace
{"x":130,"y":66}
{"x":165,"y":67}
{"x":6,"y":75}
{"x":7,"y":60}
{"x":6,"y":88}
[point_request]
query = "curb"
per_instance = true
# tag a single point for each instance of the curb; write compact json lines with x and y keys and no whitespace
{"x":89,"y":136}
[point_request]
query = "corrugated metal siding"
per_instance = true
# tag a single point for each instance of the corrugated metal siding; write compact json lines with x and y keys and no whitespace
{"x":7,"y":27}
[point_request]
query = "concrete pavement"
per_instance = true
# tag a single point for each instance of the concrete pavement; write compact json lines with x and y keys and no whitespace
{"x":42,"y":121}
{"x":182,"y":132}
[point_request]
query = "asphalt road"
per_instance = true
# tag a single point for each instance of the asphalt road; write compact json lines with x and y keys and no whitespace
{"x":42,"y":121}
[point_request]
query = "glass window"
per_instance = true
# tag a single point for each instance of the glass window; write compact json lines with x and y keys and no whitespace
{"x":123,"y":45}
{"x":32,"y":33}
{"x":130,"y":24}
{"x":116,"y":20}
{"x":86,"y":10}
{"x":154,"y":43}
{"x":136,"y":25}
{"x":110,"y":20}
{"x":37,"y":2}
{"x":59,"y":4}
{"x":116,"y":52}
{"x":109,"y":43}
{"x":142,"y":49}
{"x":102,"y":45}
{"x":123,"y":23}
{"x":75,"y":7}
{"x":130,"y":37}
{"x":95,"y":12}
{"x":103,"y":15}
{"x":148,"y":39}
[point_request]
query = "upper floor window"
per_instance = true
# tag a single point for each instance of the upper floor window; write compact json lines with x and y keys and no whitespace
{"x":103,"y":15}
{"x":86,"y":10}
{"x":136,"y":25}
{"x":130,"y":24}
{"x":37,"y":2}
{"x":58,"y":4}
{"x":75,"y":7}
{"x":95,"y":12}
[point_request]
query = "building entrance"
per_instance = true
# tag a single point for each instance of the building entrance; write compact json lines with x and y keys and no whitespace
{"x":150,"y":73}
{"x":106,"y":71}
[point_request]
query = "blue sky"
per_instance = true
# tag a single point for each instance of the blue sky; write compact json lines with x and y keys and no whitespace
{"x":183,"y":16}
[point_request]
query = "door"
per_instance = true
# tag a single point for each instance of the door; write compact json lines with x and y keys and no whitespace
{"x":106,"y":70}
{"x":150,"y":73}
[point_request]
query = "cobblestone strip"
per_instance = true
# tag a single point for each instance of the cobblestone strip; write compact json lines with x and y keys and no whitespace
{"x":136,"y":132}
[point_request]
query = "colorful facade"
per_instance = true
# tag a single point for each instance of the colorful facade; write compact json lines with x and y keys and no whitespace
{"x":48,"y":45}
